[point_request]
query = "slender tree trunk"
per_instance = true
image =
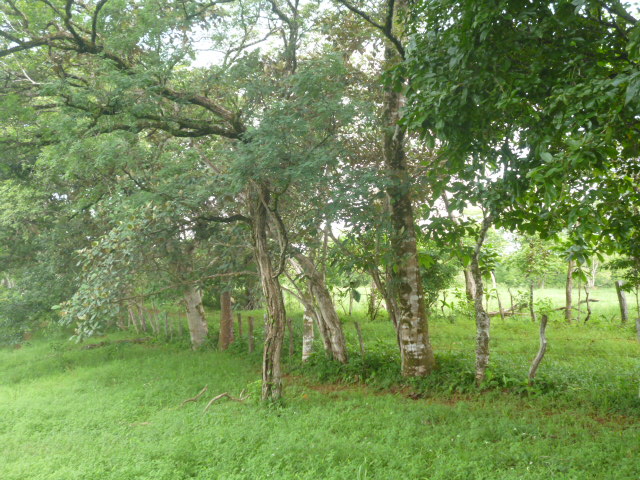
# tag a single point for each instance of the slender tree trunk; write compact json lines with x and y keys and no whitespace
{"x":568,"y":312}
{"x":276,"y":316}
{"x":483,"y":321}
{"x":495,"y":287}
{"x":588,"y":301}
{"x":307,"y":336}
{"x":531,"y":306}
{"x":541,"y":351}
{"x":226,"y":321}
{"x":622,"y":300}
{"x":483,"y":324}
{"x":198,"y":328}
{"x":594,"y":271}
{"x":328,"y":320}
{"x":469,"y":284}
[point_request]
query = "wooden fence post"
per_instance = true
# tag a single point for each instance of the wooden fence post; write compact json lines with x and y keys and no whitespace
{"x":251,"y":344}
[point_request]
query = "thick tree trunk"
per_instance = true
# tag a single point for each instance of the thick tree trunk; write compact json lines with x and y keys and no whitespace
{"x":307,"y":335}
{"x":413,"y":329}
{"x":198,"y":328}
{"x":568,"y":312}
{"x":622,"y":300}
{"x":328,"y":320}
{"x":276,"y":316}
{"x":226,"y":321}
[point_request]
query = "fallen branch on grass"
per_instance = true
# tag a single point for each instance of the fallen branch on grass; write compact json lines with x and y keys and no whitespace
{"x":241,"y":399}
{"x":104,"y":344}
{"x":197,"y":397}
{"x":511,"y":311}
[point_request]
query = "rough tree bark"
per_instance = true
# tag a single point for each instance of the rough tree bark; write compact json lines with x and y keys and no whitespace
{"x":413,"y":330}
{"x":411,"y":319}
{"x":272,"y":290}
{"x":568,"y":312}
{"x":198,"y":328}
{"x":226,"y":321}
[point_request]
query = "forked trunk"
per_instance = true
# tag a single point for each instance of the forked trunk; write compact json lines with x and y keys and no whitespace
{"x":198,"y":328}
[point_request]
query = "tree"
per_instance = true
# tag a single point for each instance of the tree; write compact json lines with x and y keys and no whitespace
{"x":550,"y":122}
{"x":115,"y":67}
{"x":404,"y":271}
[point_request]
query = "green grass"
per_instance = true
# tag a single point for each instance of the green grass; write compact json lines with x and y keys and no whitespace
{"x":114,"y":412}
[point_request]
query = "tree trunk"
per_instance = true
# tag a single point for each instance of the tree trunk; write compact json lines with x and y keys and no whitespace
{"x":622,"y":300}
{"x":226,"y":321}
{"x":198,"y":328}
{"x":469,"y":284}
{"x":307,"y":335}
{"x":413,"y":329}
{"x":495,"y":287}
{"x":586,"y":298}
{"x":328,"y":320}
{"x":541,"y":351}
{"x":594,"y":271}
{"x":276,"y":317}
{"x":531,"y":306}
{"x":483,"y":324}
{"x":568,"y":312}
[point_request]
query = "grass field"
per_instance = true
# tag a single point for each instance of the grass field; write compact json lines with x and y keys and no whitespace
{"x":114,"y":412}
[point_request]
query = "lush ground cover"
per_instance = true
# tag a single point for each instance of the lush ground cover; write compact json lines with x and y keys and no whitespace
{"x":114,"y":412}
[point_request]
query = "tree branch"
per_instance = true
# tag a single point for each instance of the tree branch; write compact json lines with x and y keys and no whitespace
{"x":94,"y":21}
{"x":387,"y":29}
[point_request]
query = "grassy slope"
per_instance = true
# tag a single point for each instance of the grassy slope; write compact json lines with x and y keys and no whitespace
{"x":112,"y":413}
